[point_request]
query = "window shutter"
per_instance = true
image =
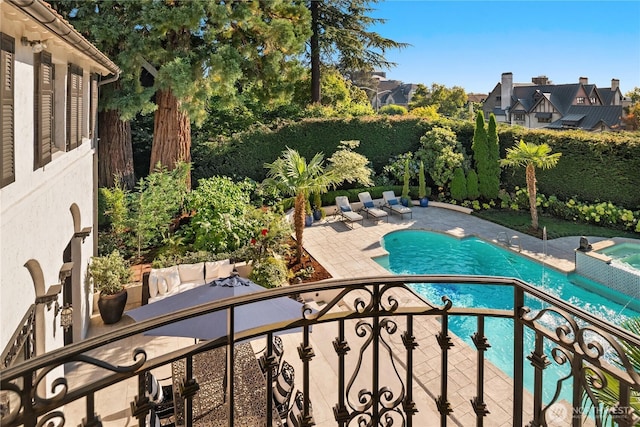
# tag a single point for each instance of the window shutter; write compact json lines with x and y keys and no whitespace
{"x":74,"y":107}
{"x":93,"y":120}
{"x":7,"y":135}
{"x":43,"y":106}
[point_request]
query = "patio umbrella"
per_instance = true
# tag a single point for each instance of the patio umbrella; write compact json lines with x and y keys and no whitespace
{"x":214,"y":325}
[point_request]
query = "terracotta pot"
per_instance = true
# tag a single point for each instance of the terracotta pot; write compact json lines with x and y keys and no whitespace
{"x":112,"y":306}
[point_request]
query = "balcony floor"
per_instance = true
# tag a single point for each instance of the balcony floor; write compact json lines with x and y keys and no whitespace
{"x":348,"y":253}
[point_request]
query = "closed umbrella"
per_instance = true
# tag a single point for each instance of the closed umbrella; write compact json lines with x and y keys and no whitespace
{"x":214,"y":325}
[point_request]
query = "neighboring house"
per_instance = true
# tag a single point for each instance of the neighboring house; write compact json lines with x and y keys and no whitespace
{"x":391,"y":92}
{"x":540,"y":104}
{"x":49,"y":80}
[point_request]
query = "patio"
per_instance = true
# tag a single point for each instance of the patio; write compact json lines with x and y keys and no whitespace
{"x":347,"y":254}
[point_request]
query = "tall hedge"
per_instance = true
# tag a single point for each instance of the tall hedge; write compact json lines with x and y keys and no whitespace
{"x":593,"y":166}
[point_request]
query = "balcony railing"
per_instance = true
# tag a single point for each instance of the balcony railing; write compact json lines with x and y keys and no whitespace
{"x":375,"y":323}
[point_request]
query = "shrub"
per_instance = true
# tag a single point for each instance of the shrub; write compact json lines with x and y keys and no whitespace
{"x":459,"y":185}
{"x":270,"y":272}
{"x":393,"y":110}
{"x":472,"y":185}
{"x":109,"y":273}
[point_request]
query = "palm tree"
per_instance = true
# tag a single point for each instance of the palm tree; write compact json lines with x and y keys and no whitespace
{"x":605,"y":396}
{"x":531,"y":156}
{"x":293,"y":176}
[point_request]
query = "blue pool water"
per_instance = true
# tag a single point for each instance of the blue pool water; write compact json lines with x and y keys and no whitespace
{"x":423,"y":252}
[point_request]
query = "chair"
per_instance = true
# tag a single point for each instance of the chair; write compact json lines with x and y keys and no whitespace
{"x":161,"y":397}
{"x":278,"y":351}
{"x":391,"y":203}
{"x":294,"y":417}
{"x":347,"y":214}
{"x":370,"y":208}
{"x":282,"y":388}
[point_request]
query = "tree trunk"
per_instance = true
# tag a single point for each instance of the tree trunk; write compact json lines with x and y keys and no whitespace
{"x":171,"y":133}
{"x":115,"y":152}
{"x":531,"y":189}
{"x":298,"y":223}
{"x":315,"y":53}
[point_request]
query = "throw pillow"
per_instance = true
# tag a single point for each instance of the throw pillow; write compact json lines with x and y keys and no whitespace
{"x":369,"y":205}
{"x":162,"y":286}
{"x":393,"y":202}
{"x":345,"y":208}
{"x":153,"y":284}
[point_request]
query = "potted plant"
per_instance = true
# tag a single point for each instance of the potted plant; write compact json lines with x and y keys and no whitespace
{"x":404,"y":198}
{"x":318,"y":213}
{"x":308,"y":220}
{"x":110,"y":273}
{"x":422,"y":188}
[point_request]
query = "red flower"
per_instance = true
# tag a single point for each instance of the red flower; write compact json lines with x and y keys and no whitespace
{"x":264,"y":231}
{"x":253,"y":241}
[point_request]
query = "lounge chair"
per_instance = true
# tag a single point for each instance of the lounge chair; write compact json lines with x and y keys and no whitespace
{"x":347,"y":214}
{"x":370,"y":208}
{"x":391,"y":202}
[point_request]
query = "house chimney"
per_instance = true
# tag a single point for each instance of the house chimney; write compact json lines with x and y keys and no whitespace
{"x":540,"y":80}
{"x":506,"y":90}
{"x":584,"y":80}
{"x":615,"y":84}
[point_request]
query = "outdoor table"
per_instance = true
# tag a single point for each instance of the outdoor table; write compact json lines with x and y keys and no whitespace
{"x":209,"y":404}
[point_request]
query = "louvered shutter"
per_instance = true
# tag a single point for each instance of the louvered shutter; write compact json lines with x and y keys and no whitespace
{"x":7,"y":135}
{"x":93,"y":107}
{"x":75,"y":107}
{"x":44,"y":105}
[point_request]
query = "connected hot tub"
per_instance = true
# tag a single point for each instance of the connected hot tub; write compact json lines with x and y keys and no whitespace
{"x":614,"y":263}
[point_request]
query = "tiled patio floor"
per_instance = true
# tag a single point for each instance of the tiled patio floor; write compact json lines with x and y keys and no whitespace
{"x":348,"y":253}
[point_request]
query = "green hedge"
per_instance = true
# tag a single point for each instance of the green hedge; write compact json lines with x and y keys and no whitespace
{"x":593,"y":166}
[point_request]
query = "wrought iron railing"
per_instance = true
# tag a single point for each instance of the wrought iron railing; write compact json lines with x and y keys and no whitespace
{"x":375,"y":348}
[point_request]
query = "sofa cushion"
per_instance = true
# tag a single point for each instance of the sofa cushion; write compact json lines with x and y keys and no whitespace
{"x":192,"y":273}
{"x":216,"y":269}
{"x":167,"y":279}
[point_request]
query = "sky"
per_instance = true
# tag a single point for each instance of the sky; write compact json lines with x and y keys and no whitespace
{"x":471,"y":43}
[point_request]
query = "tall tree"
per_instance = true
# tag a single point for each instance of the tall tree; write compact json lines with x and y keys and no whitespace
{"x":340,"y":38}
{"x":202,"y":49}
{"x":110,"y":24}
{"x":481,"y":155}
{"x":493,"y":159}
{"x":531,"y":156}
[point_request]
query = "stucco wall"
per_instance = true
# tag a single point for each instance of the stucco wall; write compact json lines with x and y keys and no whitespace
{"x":36,"y":219}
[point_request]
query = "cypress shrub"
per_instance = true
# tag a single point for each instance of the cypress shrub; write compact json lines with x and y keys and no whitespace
{"x":459,"y":185}
{"x":481,"y":156}
{"x":472,"y":185}
{"x":492,"y":183}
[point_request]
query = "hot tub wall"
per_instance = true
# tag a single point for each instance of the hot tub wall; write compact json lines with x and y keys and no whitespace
{"x":598,"y":267}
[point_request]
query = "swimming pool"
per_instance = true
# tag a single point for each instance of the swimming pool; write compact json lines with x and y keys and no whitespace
{"x":424,"y":252}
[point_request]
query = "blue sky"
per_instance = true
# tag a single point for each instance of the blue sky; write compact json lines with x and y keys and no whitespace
{"x":471,"y":43}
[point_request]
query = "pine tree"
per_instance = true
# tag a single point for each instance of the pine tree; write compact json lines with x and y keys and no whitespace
{"x":340,"y":34}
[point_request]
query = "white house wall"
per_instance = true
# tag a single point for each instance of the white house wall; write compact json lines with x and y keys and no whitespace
{"x":36,"y":220}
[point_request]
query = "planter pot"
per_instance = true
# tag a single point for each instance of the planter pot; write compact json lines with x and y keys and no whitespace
{"x":317,"y":215}
{"x":244,"y":270}
{"x":112,"y":306}
{"x":424,"y":202}
{"x":405,"y":202}
{"x":308,"y":220}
